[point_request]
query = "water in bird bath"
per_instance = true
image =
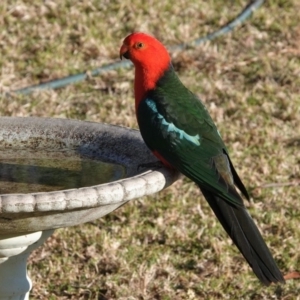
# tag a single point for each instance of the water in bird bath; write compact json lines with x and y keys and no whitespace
{"x":29,"y":171}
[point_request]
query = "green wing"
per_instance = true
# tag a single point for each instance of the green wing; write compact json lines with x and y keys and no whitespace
{"x":175,"y":123}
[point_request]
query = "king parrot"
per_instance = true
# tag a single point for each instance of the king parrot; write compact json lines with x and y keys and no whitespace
{"x":178,"y":129}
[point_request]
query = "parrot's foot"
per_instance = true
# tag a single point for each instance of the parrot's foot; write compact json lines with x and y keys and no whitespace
{"x":153,"y":165}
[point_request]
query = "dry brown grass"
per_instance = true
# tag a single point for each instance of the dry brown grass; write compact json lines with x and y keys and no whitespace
{"x":168,"y":246}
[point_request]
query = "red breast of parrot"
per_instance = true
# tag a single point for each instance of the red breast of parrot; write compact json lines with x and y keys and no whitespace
{"x":178,"y":129}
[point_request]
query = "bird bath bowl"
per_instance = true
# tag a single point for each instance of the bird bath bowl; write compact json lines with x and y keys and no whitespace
{"x":56,"y":173}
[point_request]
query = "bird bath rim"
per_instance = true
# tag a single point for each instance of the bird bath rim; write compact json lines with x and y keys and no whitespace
{"x":21,"y":213}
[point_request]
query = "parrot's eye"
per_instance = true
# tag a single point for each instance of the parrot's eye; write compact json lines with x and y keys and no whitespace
{"x":139,"y":45}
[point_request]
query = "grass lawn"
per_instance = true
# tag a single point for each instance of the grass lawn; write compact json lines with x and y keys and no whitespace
{"x":170,"y":245}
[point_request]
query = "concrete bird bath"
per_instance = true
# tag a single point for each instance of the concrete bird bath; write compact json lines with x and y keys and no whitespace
{"x":57,"y":173}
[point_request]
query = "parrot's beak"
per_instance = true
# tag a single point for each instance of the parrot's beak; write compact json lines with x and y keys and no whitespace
{"x":124,"y":52}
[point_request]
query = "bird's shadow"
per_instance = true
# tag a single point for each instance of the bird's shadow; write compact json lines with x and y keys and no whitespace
{"x":293,"y":142}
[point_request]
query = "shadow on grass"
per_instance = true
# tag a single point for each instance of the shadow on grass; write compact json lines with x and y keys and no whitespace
{"x":293,"y":142}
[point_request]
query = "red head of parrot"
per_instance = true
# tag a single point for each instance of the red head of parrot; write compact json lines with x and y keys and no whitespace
{"x":150,"y":58}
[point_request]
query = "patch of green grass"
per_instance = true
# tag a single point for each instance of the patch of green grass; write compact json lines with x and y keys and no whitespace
{"x":170,"y":245}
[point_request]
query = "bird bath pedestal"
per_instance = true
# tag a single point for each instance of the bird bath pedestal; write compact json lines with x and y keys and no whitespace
{"x":56,"y":173}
